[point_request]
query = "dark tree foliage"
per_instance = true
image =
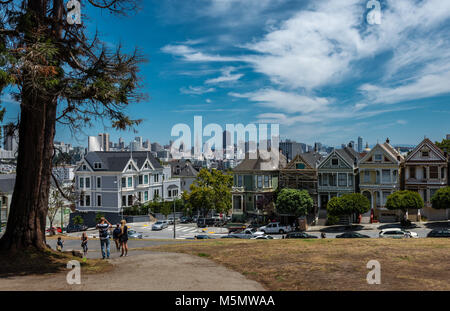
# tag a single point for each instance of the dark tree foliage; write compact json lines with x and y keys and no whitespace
{"x":294,"y":202}
{"x":59,"y":75}
{"x":348,"y":204}
{"x":441,"y":199}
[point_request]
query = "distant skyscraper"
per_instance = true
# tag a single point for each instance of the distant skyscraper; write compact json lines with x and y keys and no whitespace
{"x":10,"y":139}
{"x":95,"y":143}
{"x":360,"y":144}
{"x":104,"y":139}
{"x":291,"y":148}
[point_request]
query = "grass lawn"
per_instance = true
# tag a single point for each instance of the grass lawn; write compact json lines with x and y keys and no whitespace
{"x":330,"y":264}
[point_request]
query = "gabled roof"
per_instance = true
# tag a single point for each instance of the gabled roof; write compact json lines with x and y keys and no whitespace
{"x":431,"y":145}
{"x":388,"y":150}
{"x":310,"y":159}
{"x":347,"y":154}
{"x":116,"y":161}
{"x":259,"y":164}
{"x":185,"y":167}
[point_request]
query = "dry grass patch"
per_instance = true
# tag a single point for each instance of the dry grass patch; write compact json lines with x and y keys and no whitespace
{"x":331,"y":264}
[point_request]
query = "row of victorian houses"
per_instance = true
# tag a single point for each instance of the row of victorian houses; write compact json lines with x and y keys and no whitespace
{"x":376,"y":173}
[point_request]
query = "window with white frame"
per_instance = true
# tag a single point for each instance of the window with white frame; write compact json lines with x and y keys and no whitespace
{"x":99,"y":200}
{"x":130,"y":182}
{"x":342,"y":180}
{"x":99,"y":182}
{"x":124,"y":182}
{"x":386,"y":176}
{"x":434,"y":172}
{"x":97,"y":165}
{"x":141,"y":179}
{"x":85,"y":200}
{"x":266,"y":181}
{"x":366,"y":176}
{"x":239,"y":181}
{"x":146,"y":179}
{"x":259,"y":179}
{"x":156,"y":193}
{"x":146,"y":196}
{"x":85,"y":182}
{"x":130,"y":200}
{"x":156,"y":178}
{"x":335,"y":161}
{"x":350,"y":179}
{"x":378,"y":157}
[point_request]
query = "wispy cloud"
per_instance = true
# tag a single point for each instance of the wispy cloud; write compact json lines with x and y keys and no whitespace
{"x":196,"y":90}
{"x":226,"y":77}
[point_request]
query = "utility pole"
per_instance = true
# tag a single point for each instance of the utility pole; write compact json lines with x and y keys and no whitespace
{"x":62,"y":218}
{"x":174,"y":230}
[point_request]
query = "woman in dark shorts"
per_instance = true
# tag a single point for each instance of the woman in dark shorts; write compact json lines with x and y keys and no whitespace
{"x":123,"y":238}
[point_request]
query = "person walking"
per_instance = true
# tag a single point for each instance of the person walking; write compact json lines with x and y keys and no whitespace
{"x":59,"y":244}
{"x":116,"y":235}
{"x":124,"y":238}
{"x":84,"y":243}
{"x":103,"y":227}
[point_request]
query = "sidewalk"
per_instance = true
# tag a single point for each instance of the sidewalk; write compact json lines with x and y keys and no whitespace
{"x":373,"y":226}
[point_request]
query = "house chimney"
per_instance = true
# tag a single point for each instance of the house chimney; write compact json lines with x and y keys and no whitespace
{"x":387,"y":140}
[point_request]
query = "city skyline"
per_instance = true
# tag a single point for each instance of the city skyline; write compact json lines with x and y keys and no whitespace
{"x":375,"y":81}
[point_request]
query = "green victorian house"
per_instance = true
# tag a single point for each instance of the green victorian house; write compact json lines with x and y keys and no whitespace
{"x":255,"y":182}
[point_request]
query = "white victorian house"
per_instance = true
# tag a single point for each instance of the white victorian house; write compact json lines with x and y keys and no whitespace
{"x":110,"y":181}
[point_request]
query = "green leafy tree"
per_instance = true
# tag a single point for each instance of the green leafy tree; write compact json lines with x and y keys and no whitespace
{"x":444,"y":145}
{"x":166,"y":208}
{"x":294,"y":202}
{"x":404,"y":200}
{"x":78,"y":220}
{"x":348,"y":204}
{"x":59,"y":76}
{"x":441,"y":199}
{"x":211,"y":190}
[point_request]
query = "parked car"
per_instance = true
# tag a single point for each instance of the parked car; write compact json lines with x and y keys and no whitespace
{"x":352,"y":235}
{"x":299,"y":235}
{"x":439,"y":233}
{"x":76,"y":228}
{"x":185,"y":219}
{"x":132,"y":234}
{"x":262,"y":237}
{"x":57,"y":229}
{"x":159,"y":225}
{"x":205,"y":222}
{"x":203,"y":237}
{"x":275,"y":227}
{"x":235,"y":227}
{"x":397,"y":233}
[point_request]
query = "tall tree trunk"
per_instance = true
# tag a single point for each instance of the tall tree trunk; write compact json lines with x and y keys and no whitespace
{"x":28,"y":212}
{"x":29,"y":204}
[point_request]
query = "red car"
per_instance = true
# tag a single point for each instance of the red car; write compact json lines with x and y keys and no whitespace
{"x":57,"y":229}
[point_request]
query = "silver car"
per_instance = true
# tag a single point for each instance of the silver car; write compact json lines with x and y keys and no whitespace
{"x":132,"y":234}
{"x":159,"y":225}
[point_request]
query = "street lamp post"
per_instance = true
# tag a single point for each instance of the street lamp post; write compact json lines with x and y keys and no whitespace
{"x":174,"y":230}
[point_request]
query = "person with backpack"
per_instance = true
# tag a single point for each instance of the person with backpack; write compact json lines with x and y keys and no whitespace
{"x":124,"y":238}
{"x":116,"y":235}
{"x":103,"y":227}
{"x":84,"y":243}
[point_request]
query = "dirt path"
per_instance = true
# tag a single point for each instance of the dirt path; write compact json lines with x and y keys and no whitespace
{"x":149,"y":271}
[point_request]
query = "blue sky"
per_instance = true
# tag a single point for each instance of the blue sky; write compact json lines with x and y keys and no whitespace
{"x":315,"y":67}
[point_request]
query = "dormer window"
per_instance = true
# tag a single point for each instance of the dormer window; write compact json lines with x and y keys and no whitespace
{"x":335,"y":162}
{"x":129,"y":166}
{"x":97,"y":165}
{"x":84,"y":167}
{"x":378,"y":157}
{"x":425,"y":154}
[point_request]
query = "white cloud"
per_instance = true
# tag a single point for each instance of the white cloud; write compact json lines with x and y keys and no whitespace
{"x":196,"y":90}
{"x":285,"y":101}
{"x":226,"y":76}
{"x":190,"y":54}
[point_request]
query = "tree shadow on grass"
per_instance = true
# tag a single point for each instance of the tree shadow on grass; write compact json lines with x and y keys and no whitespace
{"x":338,"y":229}
{"x":36,"y":262}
